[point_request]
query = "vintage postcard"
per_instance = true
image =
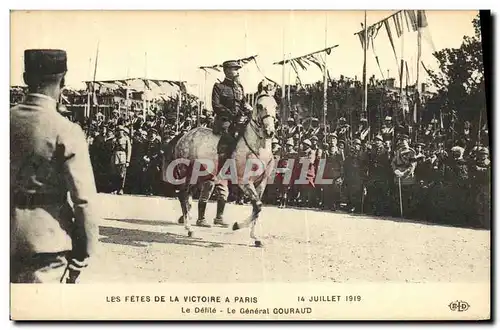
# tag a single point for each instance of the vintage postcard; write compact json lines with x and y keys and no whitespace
{"x":250,"y":165}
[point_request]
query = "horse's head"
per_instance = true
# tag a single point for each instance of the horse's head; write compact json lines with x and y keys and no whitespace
{"x":265,"y":109}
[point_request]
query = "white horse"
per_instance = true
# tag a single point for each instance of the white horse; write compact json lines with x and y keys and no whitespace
{"x":252,"y":149}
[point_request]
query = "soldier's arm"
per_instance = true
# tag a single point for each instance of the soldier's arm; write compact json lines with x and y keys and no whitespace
{"x":216,"y":104}
{"x":80,"y":183}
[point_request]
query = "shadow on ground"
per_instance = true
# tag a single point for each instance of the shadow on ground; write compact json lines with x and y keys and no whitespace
{"x":145,"y":222}
{"x":141,"y":238}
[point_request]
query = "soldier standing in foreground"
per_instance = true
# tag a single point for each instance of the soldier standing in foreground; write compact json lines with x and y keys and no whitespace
{"x":50,"y":240}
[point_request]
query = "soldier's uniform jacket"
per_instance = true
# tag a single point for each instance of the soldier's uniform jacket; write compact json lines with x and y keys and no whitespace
{"x":49,"y":159}
{"x":122,"y":150}
{"x":228,"y":99}
{"x":290,"y":132}
{"x":379,"y":164}
{"x":387,"y":133}
{"x":343,"y":133}
{"x":363,"y":134}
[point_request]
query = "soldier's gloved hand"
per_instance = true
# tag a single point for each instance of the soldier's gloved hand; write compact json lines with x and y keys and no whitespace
{"x":248,"y":108}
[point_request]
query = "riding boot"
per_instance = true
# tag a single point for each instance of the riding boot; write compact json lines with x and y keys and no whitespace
{"x":201,"y":222}
{"x":221,"y":204}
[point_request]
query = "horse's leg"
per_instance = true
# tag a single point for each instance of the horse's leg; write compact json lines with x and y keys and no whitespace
{"x":250,"y":190}
{"x":260,"y":189}
{"x":185,"y":200}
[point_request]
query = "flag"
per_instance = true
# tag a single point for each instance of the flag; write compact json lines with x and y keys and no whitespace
{"x":389,"y":34}
{"x":413,"y":19}
{"x":421,"y":19}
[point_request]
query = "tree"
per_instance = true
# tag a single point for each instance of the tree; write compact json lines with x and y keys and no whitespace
{"x":460,"y":81}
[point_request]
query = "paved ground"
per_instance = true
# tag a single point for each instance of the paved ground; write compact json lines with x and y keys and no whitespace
{"x":141,"y":242}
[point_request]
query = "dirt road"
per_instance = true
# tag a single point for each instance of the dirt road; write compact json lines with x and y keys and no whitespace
{"x":141,"y":242}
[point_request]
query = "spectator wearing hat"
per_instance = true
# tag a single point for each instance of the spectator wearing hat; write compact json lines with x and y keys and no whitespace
{"x":51,"y":240}
{"x":134,"y":183}
{"x":287,"y":161}
{"x":455,"y":187}
{"x":480,"y":176}
{"x":403,"y":165}
{"x":377,"y":197}
{"x":291,"y":129}
{"x":355,"y":176}
{"x":334,"y":170}
{"x":115,"y":116}
{"x":387,"y":130}
{"x":305,"y":165}
{"x":122,"y":151}
{"x":363,"y":132}
{"x":343,"y":130}
{"x":154,"y":162}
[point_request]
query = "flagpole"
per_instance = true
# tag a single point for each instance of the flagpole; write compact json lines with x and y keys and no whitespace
{"x":93,"y":84}
{"x":283,"y":80}
{"x":419,"y":55}
{"x":365,"y":84}
{"x":325,"y":81}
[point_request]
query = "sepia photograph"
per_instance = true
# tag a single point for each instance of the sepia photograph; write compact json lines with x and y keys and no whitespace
{"x":265,"y":165}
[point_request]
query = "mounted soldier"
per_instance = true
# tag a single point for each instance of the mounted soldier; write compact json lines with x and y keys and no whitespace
{"x":387,"y":130}
{"x":343,"y":130}
{"x":231,"y":109}
{"x":363,"y":132}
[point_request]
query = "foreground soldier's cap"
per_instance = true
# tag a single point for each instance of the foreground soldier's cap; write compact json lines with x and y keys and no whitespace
{"x":342,"y":120}
{"x":231,"y":64}
{"x":419,"y":144}
{"x":45,"y":61}
{"x":356,"y":142}
{"x":290,"y":120}
{"x":307,"y":142}
{"x":314,"y":138}
{"x":333,"y":135}
{"x":378,"y":138}
{"x":388,"y":118}
{"x":363,"y":120}
{"x":315,"y":119}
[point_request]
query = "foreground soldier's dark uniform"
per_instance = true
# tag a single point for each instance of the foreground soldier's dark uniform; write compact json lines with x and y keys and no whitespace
{"x":49,"y":159}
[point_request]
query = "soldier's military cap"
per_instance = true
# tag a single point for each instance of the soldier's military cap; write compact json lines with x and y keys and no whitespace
{"x":231,"y":64}
{"x":314,"y":138}
{"x":378,"y":138}
{"x":289,"y":142}
{"x":403,"y":137}
{"x":333,"y":135}
{"x":314,"y":119}
{"x":356,"y":142}
{"x":189,"y":119}
{"x":434,"y":121}
{"x":290,"y":119}
{"x":342,"y":120}
{"x":364,"y":120}
{"x":45,"y":61}
{"x":307,"y":142}
{"x":115,"y":111}
{"x":419,"y":144}
{"x":388,"y":118}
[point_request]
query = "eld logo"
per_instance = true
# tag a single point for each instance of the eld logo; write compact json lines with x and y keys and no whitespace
{"x":459,"y":306}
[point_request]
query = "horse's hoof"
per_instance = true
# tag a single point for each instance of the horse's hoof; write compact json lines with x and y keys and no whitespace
{"x":236,"y":226}
{"x":181,"y":220}
{"x":258,"y":244}
{"x":190,"y":233}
